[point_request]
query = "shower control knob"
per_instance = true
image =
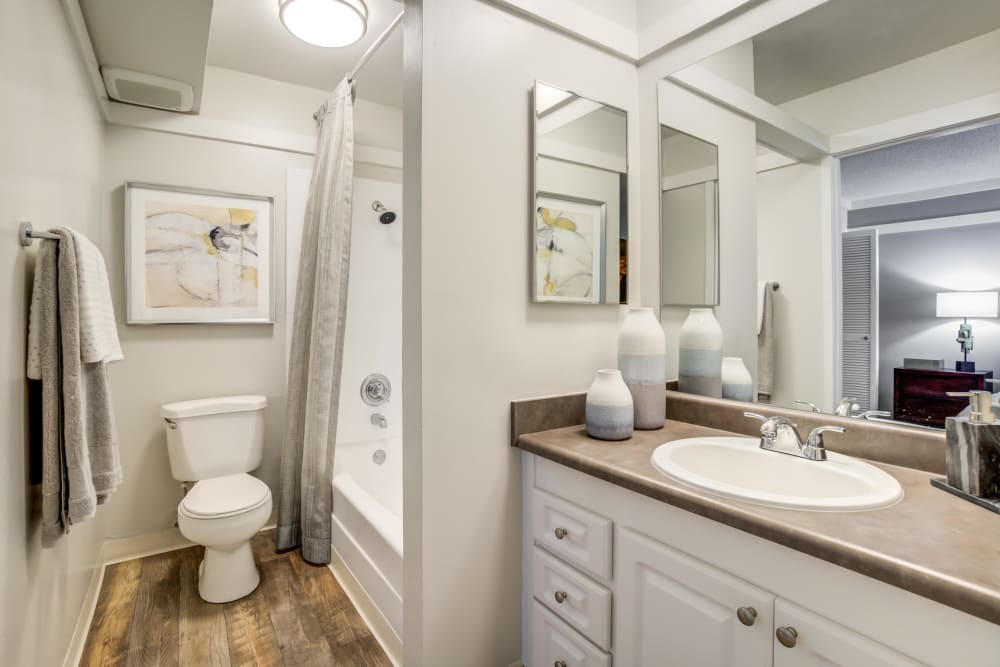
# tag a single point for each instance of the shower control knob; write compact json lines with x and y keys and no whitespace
{"x":561,"y":533}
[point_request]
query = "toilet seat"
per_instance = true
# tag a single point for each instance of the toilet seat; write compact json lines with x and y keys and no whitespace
{"x":220,"y":497}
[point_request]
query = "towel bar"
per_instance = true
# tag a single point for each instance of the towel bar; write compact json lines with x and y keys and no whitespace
{"x":26,"y":235}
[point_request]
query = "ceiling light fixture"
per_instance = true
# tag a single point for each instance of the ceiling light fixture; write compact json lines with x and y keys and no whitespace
{"x":328,"y":23}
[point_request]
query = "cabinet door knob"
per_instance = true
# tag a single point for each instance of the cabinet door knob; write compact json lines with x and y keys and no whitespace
{"x":559,"y":663}
{"x":561,"y":596}
{"x":561,"y":533}
{"x":747,"y":615}
{"x":787,"y":635}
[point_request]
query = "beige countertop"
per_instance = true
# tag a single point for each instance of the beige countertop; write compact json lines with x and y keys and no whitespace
{"x":931,"y":543}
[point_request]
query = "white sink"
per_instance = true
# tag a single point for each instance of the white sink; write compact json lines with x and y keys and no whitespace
{"x":738,"y":468}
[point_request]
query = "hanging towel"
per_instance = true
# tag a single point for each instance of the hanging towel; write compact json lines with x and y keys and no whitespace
{"x":98,"y":331}
{"x":765,"y":342}
{"x":80,"y":461}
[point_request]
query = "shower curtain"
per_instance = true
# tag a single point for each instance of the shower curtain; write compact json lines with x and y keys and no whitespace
{"x":305,"y":496}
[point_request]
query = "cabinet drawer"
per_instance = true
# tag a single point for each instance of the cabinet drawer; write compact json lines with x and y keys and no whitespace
{"x":584,"y":604}
{"x":554,"y":643}
{"x":574,"y":534}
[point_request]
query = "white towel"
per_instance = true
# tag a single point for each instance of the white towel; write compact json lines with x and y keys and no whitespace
{"x":98,"y":331}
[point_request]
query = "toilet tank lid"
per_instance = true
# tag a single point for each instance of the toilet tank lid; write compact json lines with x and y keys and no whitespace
{"x":212,"y":406}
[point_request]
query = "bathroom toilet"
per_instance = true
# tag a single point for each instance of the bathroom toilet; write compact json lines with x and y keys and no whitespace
{"x":215,"y":442}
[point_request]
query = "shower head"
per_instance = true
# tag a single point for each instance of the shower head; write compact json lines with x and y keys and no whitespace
{"x":386,"y":216}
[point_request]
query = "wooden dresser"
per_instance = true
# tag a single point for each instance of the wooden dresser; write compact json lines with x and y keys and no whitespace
{"x":920,"y":396}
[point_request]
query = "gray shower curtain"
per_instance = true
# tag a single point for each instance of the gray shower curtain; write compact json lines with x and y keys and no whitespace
{"x":305,"y":498}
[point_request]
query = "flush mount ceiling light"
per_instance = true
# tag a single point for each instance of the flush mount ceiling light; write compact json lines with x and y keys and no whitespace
{"x":328,"y":23}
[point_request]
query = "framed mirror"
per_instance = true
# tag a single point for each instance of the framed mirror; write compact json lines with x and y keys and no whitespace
{"x":579,"y":225}
{"x":689,"y":220}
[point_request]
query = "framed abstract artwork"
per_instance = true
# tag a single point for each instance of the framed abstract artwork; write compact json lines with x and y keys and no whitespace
{"x":197,"y":256}
{"x":569,"y":249}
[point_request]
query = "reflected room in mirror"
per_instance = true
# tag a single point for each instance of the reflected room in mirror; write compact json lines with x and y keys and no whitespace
{"x":689,"y":220}
{"x":580,"y":206}
{"x":863,"y":139}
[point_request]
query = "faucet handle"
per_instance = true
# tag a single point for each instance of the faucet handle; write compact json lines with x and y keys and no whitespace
{"x":754,"y":415}
{"x":819,"y":430}
{"x":815,"y":448}
{"x":809,"y":404}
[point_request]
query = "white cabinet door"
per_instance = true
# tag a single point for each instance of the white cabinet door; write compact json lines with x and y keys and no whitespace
{"x":819,"y":642}
{"x":676,"y":611}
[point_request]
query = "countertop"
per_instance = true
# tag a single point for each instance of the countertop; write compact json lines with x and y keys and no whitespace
{"x":931,"y":543}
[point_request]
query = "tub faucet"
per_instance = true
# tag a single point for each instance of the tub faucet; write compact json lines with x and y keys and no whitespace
{"x":378,"y":419}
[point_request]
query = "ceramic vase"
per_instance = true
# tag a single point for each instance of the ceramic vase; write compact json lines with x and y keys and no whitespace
{"x":737,"y":385}
{"x":609,"y":407}
{"x":700,"y":361}
{"x":642,"y":359}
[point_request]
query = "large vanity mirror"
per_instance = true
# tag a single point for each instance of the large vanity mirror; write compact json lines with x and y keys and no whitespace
{"x":860,"y":147}
{"x":689,"y":219}
{"x":580,"y":212}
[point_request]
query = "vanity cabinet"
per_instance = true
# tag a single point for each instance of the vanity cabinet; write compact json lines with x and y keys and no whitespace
{"x":614,"y":578}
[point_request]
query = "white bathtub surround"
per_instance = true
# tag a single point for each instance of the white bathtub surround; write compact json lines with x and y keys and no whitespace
{"x":700,"y":360}
{"x":610,"y":413}
{"x":642,"y":359}
{"x":736,"y":381}
{"x":304,"y":504}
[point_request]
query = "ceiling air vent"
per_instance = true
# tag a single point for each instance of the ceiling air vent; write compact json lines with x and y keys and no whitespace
{"x":147,"y":90}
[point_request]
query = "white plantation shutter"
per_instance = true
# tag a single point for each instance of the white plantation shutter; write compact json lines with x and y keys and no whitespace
{"x":859,"y":275}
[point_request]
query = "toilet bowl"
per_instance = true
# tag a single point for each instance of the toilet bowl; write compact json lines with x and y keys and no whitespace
{"x":223,"y":513}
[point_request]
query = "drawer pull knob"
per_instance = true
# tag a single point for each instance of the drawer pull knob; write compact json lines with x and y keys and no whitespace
{"x":561,"y":596}
{"x":559,"y":663}
{"x":787,"y":635}
{"x":747,"y":615}
{"x":561,"y":533}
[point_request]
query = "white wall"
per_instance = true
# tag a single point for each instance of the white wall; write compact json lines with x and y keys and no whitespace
{"x":51,"y":137}
{"x":176,"y":362}
{"x":736,"y":138}
{"x":793,"y":232}
{"x":481,"y":342}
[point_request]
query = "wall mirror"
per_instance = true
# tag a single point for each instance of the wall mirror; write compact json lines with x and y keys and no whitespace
{"x":861,"y":153}
{"x":689,"y":219}
{"x":580,"y":206}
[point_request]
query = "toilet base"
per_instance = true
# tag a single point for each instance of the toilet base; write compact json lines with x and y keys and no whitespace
{"x":227,"y":573}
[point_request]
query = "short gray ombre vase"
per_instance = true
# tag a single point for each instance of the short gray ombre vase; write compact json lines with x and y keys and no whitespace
{"x":737,"y":385}
{"x":609,"y":410}
{"x":699,"y":367}
{"x":642,"y":359}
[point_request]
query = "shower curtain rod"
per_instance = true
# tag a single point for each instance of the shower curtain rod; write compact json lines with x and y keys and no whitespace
{"x":367,"y":55}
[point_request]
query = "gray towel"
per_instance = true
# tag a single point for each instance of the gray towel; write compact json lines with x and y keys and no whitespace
{"x":80,"y":462}
{"x":765,"y":347}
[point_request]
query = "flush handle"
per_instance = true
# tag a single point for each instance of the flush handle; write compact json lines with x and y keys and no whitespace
{"x":171,"y":424}
{"x":561,"y":596}
{"x":787,"y":635}
{"x":747,"y":615}
{"x":561,"y":533}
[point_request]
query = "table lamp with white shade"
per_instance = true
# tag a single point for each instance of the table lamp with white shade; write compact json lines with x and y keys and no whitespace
{"x":966,"y":305}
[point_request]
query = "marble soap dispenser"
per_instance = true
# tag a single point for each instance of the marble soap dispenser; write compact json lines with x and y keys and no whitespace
{"x":972,"y":451}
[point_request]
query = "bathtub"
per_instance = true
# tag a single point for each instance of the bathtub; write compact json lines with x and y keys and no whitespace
{"x":368,"y":521}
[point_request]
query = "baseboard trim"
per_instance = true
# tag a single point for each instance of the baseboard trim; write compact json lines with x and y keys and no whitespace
{"x":74,"y":653}
{"x":369,"y":612}
{"x":140,"y":546}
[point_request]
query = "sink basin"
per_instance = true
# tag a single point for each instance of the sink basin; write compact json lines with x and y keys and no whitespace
{"x":738,"y":468}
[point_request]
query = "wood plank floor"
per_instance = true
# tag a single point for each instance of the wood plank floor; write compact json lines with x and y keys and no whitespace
{"x":149,"y":613}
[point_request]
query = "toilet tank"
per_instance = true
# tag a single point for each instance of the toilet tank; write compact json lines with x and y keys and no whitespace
{"x":212,"y":437}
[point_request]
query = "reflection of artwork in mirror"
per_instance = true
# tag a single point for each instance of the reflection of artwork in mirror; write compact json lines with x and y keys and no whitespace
{"x":568,"y":249}
{"x":580,"y":220}
{"x":689,"y":220}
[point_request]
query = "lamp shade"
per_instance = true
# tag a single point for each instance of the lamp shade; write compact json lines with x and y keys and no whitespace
{"x":328,"y":23}
{"x":966,"y":304}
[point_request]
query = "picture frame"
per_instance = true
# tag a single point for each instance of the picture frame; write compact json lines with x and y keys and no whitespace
{"x":198,"y":256}
{"x":568,"y":249}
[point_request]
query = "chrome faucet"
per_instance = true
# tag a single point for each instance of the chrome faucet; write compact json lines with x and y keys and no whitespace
{"x":873,"y":414}
{"x":812,"y":406}
{"x":378,"y":419}
{"x":847,"y":407}
{"x":778,"y":434}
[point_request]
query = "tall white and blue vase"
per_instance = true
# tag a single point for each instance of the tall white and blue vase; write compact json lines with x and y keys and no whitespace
{"x":737,"y":385}
{"x":700,"y":362}
{"x":609,"y":407}
{"x":642,"y":359}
